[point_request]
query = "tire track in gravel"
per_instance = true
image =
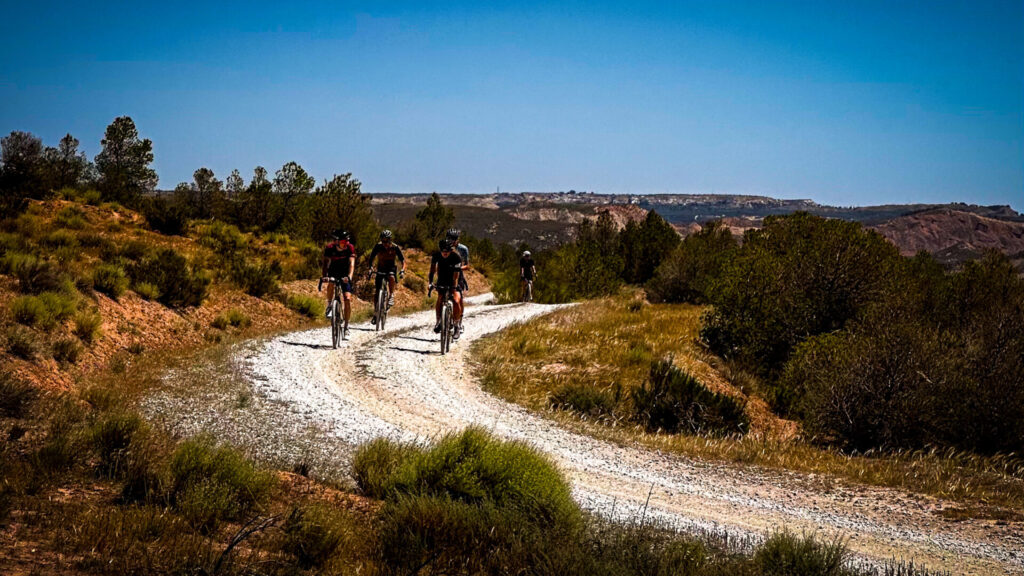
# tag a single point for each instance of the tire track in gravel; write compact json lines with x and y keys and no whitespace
{"x":402,"y":388}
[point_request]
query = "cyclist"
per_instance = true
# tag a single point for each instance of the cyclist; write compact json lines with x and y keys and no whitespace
{"x":447,"y":264}
{"x":339,"y":263}
{"x":463,"y":251}
{"x":387,"y":253}
{"x":527,"y":271}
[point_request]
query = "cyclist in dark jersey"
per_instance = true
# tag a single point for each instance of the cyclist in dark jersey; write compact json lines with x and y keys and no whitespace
{"x":527,"y":270}
{"x":387,"y":255}
{"x":447,"y":264}
{"x":339,"y":262}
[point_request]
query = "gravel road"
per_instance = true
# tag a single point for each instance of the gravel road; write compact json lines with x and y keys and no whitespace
{"x":304,"y":401}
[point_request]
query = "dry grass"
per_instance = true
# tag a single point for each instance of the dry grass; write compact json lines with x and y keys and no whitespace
{"x":610,"y":342}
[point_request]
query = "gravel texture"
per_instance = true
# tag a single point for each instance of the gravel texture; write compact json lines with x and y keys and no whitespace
{"x":293,"y":399}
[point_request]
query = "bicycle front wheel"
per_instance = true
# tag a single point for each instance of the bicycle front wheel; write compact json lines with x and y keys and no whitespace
{"x":446,"y":321}
{"x":336,"y":323}
{"x":382,"y":301}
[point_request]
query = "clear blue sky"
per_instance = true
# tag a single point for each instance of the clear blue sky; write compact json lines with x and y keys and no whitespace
{"x":849,"y":102}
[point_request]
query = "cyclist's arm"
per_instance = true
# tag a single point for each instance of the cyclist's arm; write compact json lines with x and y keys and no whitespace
{"x":433,"y":268}
{"x":374,"y":253}
{"x":400,"y":256}
{"x":325,"y":265}
{"x":351,"y":265}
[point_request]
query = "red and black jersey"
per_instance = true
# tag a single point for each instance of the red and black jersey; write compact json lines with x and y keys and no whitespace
{"x":386,"y":255}
{"x":338,"y":250}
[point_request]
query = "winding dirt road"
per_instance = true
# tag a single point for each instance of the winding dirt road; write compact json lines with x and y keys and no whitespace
{"x":395,"y":384}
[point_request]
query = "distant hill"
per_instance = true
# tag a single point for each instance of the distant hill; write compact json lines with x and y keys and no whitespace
{"x":954,"y":236}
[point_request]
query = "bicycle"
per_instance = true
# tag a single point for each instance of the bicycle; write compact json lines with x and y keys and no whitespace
{"x":447,"y":317}
{"x":338,"y":324}
{"x":383,"y":297}
{"x":528,"y":291}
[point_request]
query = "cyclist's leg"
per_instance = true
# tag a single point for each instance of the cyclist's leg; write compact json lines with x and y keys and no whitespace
{"x":457,"y":305}
{"x":330,"y":296}
{"x":346,"y":294}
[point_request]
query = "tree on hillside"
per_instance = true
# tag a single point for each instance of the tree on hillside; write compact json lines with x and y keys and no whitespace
{"x":688,"y":272}
{"x":21,"y":164}
{"x":292,"y":186}
{"x":798,"y":276}
{"x":644,"y":245}
{"x":598,"y":266}
{"x":66,"y":165}
{"x":339,"y":203}
{"x":123,"y":164}
{"x":435,"y":218}
{"x":234,"y":186}
{"x":206,"y":194}
{"x":256,"y":204}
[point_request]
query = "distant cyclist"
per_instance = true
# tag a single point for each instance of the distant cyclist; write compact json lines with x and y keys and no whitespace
{"x":340,"y":263}
{"x":447,"y":264}
{"x":527,"y":272}
{"x":387,"y":255}
{"x":463,"y":250}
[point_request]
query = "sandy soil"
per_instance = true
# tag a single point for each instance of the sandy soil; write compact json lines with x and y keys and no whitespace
{"x":292,"y":398}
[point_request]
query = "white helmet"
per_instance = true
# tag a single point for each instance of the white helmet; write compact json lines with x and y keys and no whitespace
{"x":526,"y":252}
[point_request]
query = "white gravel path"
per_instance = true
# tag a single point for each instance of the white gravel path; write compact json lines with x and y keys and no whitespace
{"x":316,"y":403}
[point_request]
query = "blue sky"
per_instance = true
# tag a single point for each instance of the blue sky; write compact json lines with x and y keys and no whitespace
{"x":847,"y":103}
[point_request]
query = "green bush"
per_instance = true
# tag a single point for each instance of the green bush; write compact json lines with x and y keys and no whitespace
{"x":471,"y":467}
{"x":233,"y":317}
{"x":16,"y":396}
{"x":306,"y":305}
{"x":147,"y":291}
{"x":66,"y":350}
{"x":110,"y":279}
{"x":111,"y":438}
{"x":786,"y":554}
{"x":672,"y":400}
{"x":22,"y":342}
{"x":799,"y":276}
{"x":314,"y":533}
{"x":210,"y":483}
{"x":415,"y":283}
{"x":71,"y":217}
{"x":43,"y":311}
{"x":688,"y":272}
{"x":587,"y":400}
{"x":34,"y":274}
{"x":165,"y":215}
{"x":88,"y":324}
{"x":179,"y":283}
{"x":61,"y":239}
{"x":257,"y":279}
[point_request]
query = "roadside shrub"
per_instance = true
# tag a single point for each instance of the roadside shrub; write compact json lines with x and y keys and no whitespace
{"x":66,"y":350}
{"x":223,"y":239}
{"x":257,"y":279}
{"x":34,"y":274}
{"x":147,"y":291}
{"x":61,"y":239}
{"x":587,"y":400}
{"x":43,"y":311}
{"x":71,"y":217}
{"x":111,"y":437}
{"x":306,"y":305}
{"x":165,"y":215}
{"x":179,"y":283}
{"x":799,"y":276}
{"x":110,"y":279}
{"x":688,"y":272}
{"x":672,"y":400}
{"x":16,"y":396}
{"x":210,"y":483}
{"x":415,"y":283}
{"x":237,"y":318}
{"x":22,"y":342}
{"x":88,"y":325}
{"x":785,"y":554}
{"x":220,"y":322}
{"x":314,"y":533}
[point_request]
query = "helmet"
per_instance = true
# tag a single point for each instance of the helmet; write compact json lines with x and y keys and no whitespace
{"x":340,"y":234}
{"x":453,"y":233}
{"x":385,"y":235}
{"x":526,"y":253}
{"x":444,"y":245}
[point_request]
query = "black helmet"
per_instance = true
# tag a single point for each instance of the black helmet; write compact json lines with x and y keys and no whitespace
{"x":453,"y":233}
{"x":444,"y":245}
{"x":340,"y":234}
{"x":385,"y":235}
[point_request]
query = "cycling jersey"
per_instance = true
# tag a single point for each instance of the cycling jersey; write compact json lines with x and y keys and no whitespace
{"x":447,"y":268}
{"x":526,"y":264}
{"x":338,"y":254}
{"x":386,"y":256}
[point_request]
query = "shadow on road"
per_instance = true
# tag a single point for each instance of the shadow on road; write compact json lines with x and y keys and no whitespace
{"x":418,"y":339}
{"x":313,"y":346}
{"x":427,"y":352}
